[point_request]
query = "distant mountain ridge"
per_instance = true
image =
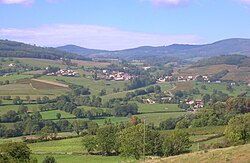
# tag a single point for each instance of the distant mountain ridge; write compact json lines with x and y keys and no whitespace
{"x":223,"y":47}
{"x":80,"y":50}
{"x":21,"y":50}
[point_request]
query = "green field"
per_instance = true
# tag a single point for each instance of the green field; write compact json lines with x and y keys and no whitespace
{"x":95,"y":86}
{"x":13,"y":78}
{"x":149,"y":108}
{"x":23,"y":90}
{"x":52,"y":114}
{"x":83,"y":159}
{"x":156,"y":118}
{"x":5,"y":108}
{"x":66,"y":145}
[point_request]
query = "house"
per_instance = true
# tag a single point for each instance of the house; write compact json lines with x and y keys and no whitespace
{"x":146,"y":68}
{"x":190,"y":78}
{"x":149,"y":101}
{"x":161,"y":80}
{"x":12,"y":65}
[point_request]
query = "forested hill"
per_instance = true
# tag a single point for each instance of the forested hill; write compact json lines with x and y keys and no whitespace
{"x":18,"y":49}
{"x":239,"y":60}
{"x":80,"y":50}
{"x":223,"y":47}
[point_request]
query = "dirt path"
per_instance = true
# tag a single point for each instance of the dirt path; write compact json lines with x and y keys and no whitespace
{"x":52,"y":83}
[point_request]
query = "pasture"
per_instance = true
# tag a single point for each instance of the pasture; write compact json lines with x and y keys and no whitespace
{"x":52,"y":114}
{"x":156,"y":118}
{"x":95,"y":86}
{"x":154,"y":108}
{"x":82,"y":158}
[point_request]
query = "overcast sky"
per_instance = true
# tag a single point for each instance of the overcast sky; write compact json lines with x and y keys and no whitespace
{"x":121,"y":24}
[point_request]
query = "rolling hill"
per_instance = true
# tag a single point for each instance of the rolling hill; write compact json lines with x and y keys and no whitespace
{"x":21,"y":50}
{"x":80,"y":50}
{"x":223,"y":47}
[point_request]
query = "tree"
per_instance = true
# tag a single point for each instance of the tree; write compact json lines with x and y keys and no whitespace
{"x":238,"y":130}
{"x":17,"y":152}
{"x":1,"y":101}
{"x":132,"y":141}
{"x":78,"y":126}
{"x":58,"y":115}
{"x":49,"y":159}
{"x":203,"y":87}
{"x":89,"y":143}
{"x":17,"y":100}
{"x":103,"y":92}
{"x":176,"y":143}
{"x":106,"y":138}
{"x":28,"y":99}
{"x":38,"y":100}
{"x":22,"y":109}
{"x":206,"y":98}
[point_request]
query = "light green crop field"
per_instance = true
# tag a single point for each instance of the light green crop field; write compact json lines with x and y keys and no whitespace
{"x":5,"y":108}
{"x":221,"y":87}
{"x":43,"y":63}
{"x":95,"y":86}
{"x":148,"y":108}
{"x":13,"y":78}
{"x":83,"y":159}
{"x":101,"y":120}
{"x":66,"y":145}
{"x":24,"y":90}
{"x":156,"y":118}
{"x":52,"y":114}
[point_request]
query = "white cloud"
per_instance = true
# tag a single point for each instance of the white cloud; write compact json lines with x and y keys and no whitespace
{"x":245,"y":1}
{"x":173,"y":3}
{"x":22,"y":2}
{"x":99,"y":37}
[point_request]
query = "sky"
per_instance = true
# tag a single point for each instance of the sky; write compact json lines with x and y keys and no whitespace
{"x":122,"y":24}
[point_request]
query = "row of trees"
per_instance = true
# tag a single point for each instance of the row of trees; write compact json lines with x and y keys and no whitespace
{"x":136,"y":141}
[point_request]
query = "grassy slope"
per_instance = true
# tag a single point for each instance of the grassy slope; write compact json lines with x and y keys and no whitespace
{"x":83,"y":159}
{"x":231,"y":154}
{"x":52,"y":114}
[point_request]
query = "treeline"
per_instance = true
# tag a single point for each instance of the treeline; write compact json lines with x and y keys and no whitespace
{"x":18,"y":49}
{"x":136,"y":141}
{"x":239,"y":60}
{"x":214,"y":114}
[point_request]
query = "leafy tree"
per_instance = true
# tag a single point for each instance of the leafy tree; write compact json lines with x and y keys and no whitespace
{"x":176,"y":143}
{"x":22,"y":109}
{"x":49,"y":159}
{"x":103,"y":92}
{"x":17,"y":100}
{"x":28,"y":99}
{"x":106,"y":138}
{"x":206,"y":98}
{"x":58,"y":115}
{"x":89,"y":143}
{"x":238,"y":130}
{"x":79,"y":125}
{"x":17,"y":152}
{"x":132,"y":141}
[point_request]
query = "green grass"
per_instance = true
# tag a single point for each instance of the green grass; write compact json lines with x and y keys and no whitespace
{"x":95,"y":86}
{"x":43,"y":63}
{"x":23,"y":90}
{"x":13,"y":78}
{"x":148,"y":108}
{"x":66,"y":145}
{"x":52,"y":114}
{"x":5,"y":108}
{"x":82,"y":158}
{"x":156,"y":118}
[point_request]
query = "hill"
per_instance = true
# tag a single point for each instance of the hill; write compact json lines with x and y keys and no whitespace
{"x":231,"y":154}
{"x":21,"y":50}
{"x":79,"y":50}
{"x":239,"y":60}
{"x":223,"y":47}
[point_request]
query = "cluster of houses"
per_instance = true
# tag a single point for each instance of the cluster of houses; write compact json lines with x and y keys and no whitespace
{"x":116,"y":75}
{"x":195,"y":103}
{"x":64,"y":72}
